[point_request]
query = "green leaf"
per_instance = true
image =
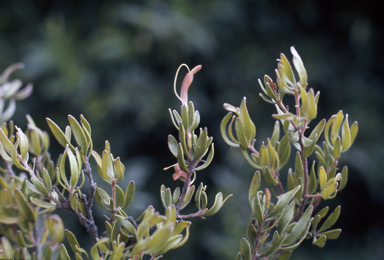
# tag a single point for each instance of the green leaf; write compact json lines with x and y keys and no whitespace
{"x":315,"y":135}
{"x":73,"y":201}
{"x":301,"y":226}
{"x":273,"y":246}
{"x":201,"y":147}
{"x":24,"y":207}
{"x":299,"y":66}
{"x":32,"y":187}
{"x":118,"y":252}
{"x":23,"y":143}
{"x":103,"y":195}
{"x":42,"y":204}
{"x":15,"y":157}
{"x":320,"y":242}
{"x":250,"y":160}
{"x":119,"y":169}
{"x":322,"y":178}
{"x":346,"y":135}
{"x":287,"y":70}
{"x":269,"y":177}
{"x":284,"y":256}
{"x":175,"y":115}
{"x":276,"y":134}
{"x":176,"y":195}
{"x":283,"y":201}
{"x":312,"y":183}
{"x":173,"y":145}
{"x":191,"y":115}
{"x":63,"y":254}
{"x":286,"y":218}
{"x":126,"y":224}
{"x":257,"y":210}
{"x":223,"y":129}
{"x":185,"y":118}
{"x":230,"y":108}
{"x":337,"y":147}
{"x":240,"y":132}
{"x":330,"y":220}
{"x":290,"y":180}
{"x":245,"y":249}
{"x":75,"y":246}
{"x":285,"y":116}
{"x":255,"y":184}
{"x":344,"y":178}
{"x":180,"y":159}
{"x":311,"y":105}
{"x":249,"y":127}
{"x":7,"y":144}
{"x":4,"y":154}
{"x":251,"y":231}
{"x":39,"y":185}
{"x":331,"y":189}
{"x":59,"y":135}
{"x":198,"y":196}
{"x":74,"y":168}
{"x":264,"y":97}
{"x":159,"y":239}
{"x":9,"y":111}
{"x":94,"y":252}
{"x":188,"y":197}
{"x":79,"y":135}
{"x":326,"y":131}
{"x":270,"y":93}
{"x":217,"y":204}
{"x":47,"y":179}
{"x":299,"y":169}
{"x":207,"y":161}
{"x":284,"y":151}
{"x":168,"y":197}
{"x":8,"y":220}
{"x":331,"y":234}
{"x":107,"y":166}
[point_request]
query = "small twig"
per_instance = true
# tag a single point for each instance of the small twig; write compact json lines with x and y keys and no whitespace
{"x":305,"y":188}
{"x":193,"y":215}
{"x":187,"y":184}
{"x":280,"y":186}
{"x":88,"y":220}
{"x":133,"y":222}
{"x":257,"y":243}
{"x":314,"y":196}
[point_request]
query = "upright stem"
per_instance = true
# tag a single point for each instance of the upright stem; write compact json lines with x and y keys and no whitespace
{"x":187,"y":184}
{"x":255,"y":255}
{"x":305,"y":188}
{"x":36,"y":240}
{"x":87,"y":221}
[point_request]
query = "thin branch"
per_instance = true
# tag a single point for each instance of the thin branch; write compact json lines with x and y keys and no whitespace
{"x":257,"y":243}
{"x":200,"y":213}
{"x":305,"y":188}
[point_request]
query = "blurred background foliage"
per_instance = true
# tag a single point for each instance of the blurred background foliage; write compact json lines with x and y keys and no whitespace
{"x":115,"y":61}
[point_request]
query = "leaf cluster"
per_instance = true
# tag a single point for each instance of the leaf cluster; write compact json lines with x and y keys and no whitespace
{"x":290,"y":218}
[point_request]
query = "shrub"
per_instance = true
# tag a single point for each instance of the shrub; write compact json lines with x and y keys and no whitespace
{"x":282,"y":214}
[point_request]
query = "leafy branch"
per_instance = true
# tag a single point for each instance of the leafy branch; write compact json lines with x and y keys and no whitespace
{"x":291,"y":216}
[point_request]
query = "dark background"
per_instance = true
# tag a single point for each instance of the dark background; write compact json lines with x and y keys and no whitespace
{"x":115,"y":61}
